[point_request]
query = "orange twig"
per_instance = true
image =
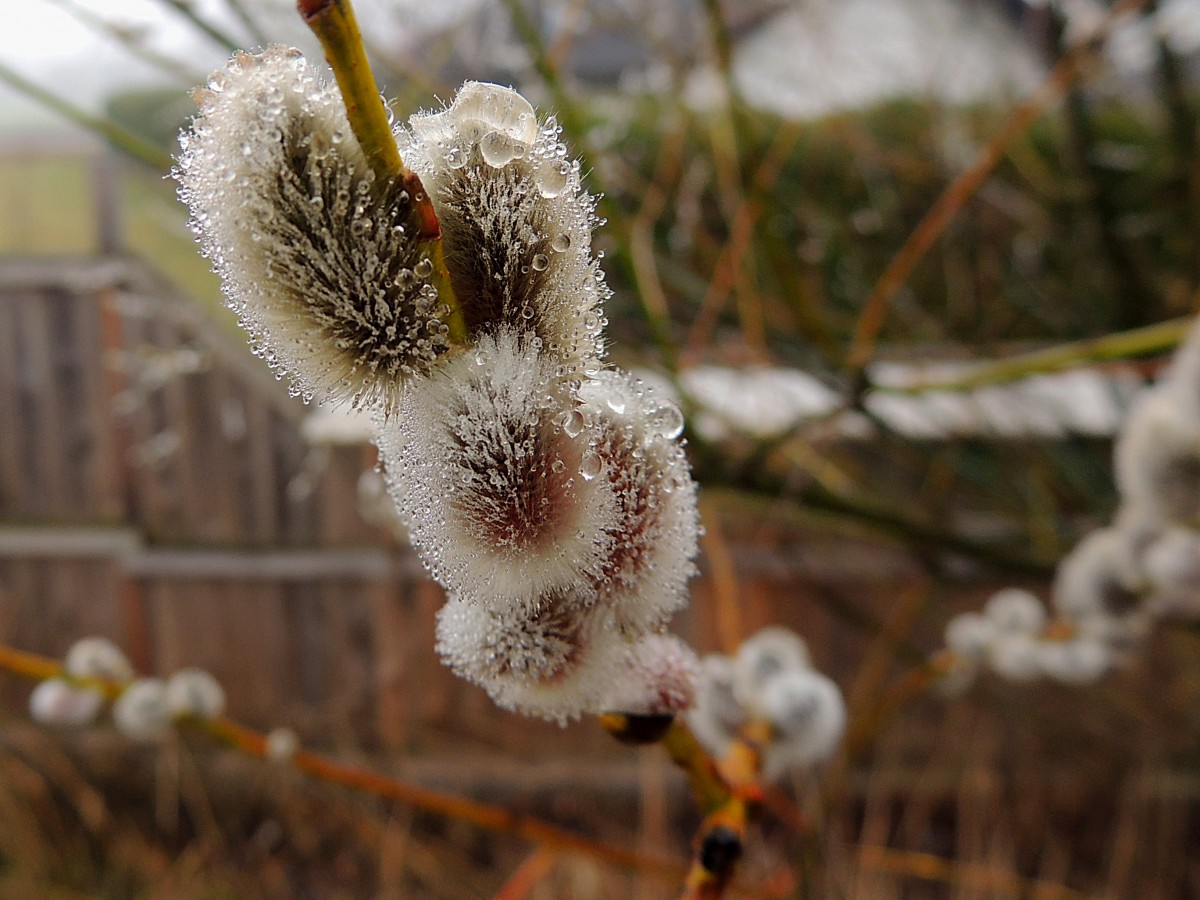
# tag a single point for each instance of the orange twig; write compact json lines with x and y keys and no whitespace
{"x":946,"y":207}
{"x":522,"y":881}
{"x":491,"y":818}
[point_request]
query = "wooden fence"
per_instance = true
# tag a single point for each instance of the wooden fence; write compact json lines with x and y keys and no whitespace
{"x":156,"y":487}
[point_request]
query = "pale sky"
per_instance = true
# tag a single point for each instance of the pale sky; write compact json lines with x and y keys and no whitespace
{"x":44,"y":42}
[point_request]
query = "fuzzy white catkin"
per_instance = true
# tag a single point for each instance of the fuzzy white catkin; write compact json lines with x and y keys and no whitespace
{"x":489,"y":480}
{"x":1098,"y":576}
{"x":56,"y":702}
{"x":652,"y":539}
{"x":318,"y":259}
{"x":1015,"y":656}
{"x":281,"y":745}
{"x":968,"y":635}
{"x":766,"y":654}
{"x":141,"y":711}
{"x":1077,"y":661}
{"x":1013,"y":610}
{"x":716,"y":715}
{"x":659,"y":677}
{"x":1157,"y":458}
{"x":97,"y":657}
{"x":1171,"y":562}
{"x":556,"y":660}
{"x":516,"y":223}
{"x":808,"y":717}
{"x":194,"y":693}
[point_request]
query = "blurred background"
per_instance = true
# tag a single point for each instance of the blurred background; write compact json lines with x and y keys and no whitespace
{"x":760,"y":161}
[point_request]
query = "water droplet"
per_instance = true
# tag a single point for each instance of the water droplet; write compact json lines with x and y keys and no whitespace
{"x":337,"y":137}
{"x":405,"y":278}
{"x":539,"y":262}
{"x":668,"y":421}
{"x":573,"y":423}
{"x":561,"y":243}
{"x":424,"y":268}
{"x":456,"y":158}
{"x":552,"y":179}
{"x":497,"y":148}
{"x":359,"y":227}
{"x":591,"y":466}
{"x":616,"y":403}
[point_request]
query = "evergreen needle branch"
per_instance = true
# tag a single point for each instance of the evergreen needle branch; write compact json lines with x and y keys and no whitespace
{"x":1065,"y":73}
{"x":1157,"y":338}
{"x":334,"y":24}
{"x":124,"y":140}
{"x":491,"y":818}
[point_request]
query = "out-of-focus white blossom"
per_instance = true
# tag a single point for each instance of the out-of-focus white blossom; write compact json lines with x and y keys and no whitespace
{"x":1015,"y":611}
{"x":1171,"y":562}
{"x":59,"y":703}
{"x":281,"y":745}
{"x":194,"y":693}
{"x":807,"y":716}
{"x":771,"y":681}
{"x":766,"y":654}
{"x":141,"y":712}
{"x":1157,"y":458}
{"x":97,"y":657}
{"x":716,"y":715}
{"x":969,"y":635}
{"x":1099,"y":576}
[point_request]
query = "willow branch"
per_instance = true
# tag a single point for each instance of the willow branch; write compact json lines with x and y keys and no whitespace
{"x":1160,"y":337}
{"x":123,"y":139}
{"x":334,"y":24}
{"x":946,"y":207}
{"x":490,"y":818}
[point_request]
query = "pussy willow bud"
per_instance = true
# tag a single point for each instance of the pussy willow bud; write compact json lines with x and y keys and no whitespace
{"x":1158,"y":458}
{"x":1015,"y":611}
{"x":319,"y":259}
{"x":659,"y":677}
{"x":516,"y":225}
{"x":716,"y":716}
{"x":97,"y":657}
{"x":489,"y":473}
{"x":141,"y":711}
{"x":651,"y":539}
{"x":194,"y":693}
{"x":556,"y":660}
{"x":57,"y":702}
{"x":969,"y":634}
{"x":1078,"y":660}
{"x":1171,"y":563}
{"x":807,"y":716}
{"x":766,"y":654}
{"x":1099,"y":576}
{"x":1015,"y":655}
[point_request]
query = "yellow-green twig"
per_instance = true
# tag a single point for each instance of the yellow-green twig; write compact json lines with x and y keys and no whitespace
{"x":1155,"y":338}
{"x":334,"y":24}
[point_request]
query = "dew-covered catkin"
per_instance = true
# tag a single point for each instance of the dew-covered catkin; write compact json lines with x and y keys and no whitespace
{"x":488,"y":473}
{"x":318,"y":258}
{"x":516,"y":223}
